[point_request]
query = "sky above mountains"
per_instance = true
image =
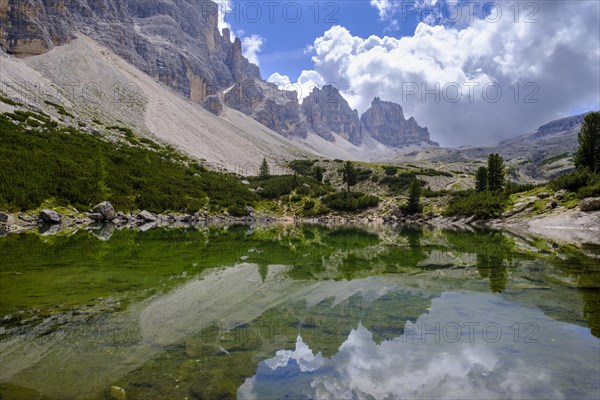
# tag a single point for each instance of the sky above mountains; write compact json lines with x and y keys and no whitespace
{"x":473,"y":72}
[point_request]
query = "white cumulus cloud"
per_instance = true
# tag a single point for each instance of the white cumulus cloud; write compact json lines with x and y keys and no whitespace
{"x":474,"y":84}
{"x":306,"y":82}
{"x":251,"y":46}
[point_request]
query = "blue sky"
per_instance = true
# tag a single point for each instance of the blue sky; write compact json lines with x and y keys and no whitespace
{"x":541,"y":57}
{"x":285,"y":42}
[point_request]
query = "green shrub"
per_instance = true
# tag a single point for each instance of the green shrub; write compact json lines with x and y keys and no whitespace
{"x":390,"y":170}
{"x":427,"y":192}
{"x":238,"y":210}
{"x":574,"y":180}
{"x":399,"y":183}
{"x":309,"y":205}
{"x":481,"y":205}
{"x":363,"y":174}
{"x":352,"y":201}
{"x":8,"y":101}
{"x":303,"y":167}
{"x":81,"y":170}
{"x":282,"y":185}
{"x":513,"y":187}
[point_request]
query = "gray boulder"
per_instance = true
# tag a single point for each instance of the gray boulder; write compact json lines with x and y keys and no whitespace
{"x":590,"y":204}
{"x":96,"y":217}
{"x":106,"y":210}
{"x":50,"y":217}
{"x":147,"y":216}
{"x":3,"y":217}
{"x":213,"y":104}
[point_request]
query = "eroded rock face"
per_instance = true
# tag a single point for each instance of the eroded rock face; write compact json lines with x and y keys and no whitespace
{"x":29,"y":27}
{"x":327,"y":112}
{"x":177,"y":42}
{"x":560,"y":125}
{"x":386,"y":123}
{"x":276,"y":109}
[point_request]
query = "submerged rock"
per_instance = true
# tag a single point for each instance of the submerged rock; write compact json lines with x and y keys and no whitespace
{"x":50,"y":217}
{"x":118,"y":393}
{"x":3,"y":217}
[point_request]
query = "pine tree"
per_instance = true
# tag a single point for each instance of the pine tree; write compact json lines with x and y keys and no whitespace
{"x":319,"y":174}
{"x":349,"y":175}
{"x":414,"y":198}
{"x":588,"y":153}
{"x":481,"y":179}
{"x":264,"y":170}
{"x":495,"y":172}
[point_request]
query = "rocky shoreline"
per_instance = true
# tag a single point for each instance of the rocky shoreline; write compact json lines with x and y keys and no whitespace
{"x":572,"y":226}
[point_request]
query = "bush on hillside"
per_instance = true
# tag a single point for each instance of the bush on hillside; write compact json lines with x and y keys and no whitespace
{"x":350,"y":201}
{"x":481,"y":205}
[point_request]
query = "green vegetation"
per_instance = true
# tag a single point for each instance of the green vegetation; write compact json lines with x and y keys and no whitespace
{"x":581,"y":181}
{"x":481,"y":205}
{"x":496,"y":174}
{"x":512,"y":187}
{"x":588,"y":153}
{"x":349,"y":175}
{"x":60,"y":109}
{"x":318,"y":174}
{"x":413,"y":206}
{"x":585,"y":180}
{"x":81,"y":170}
{"x":390,"y":170}
{"x":303,"y":167}
{"x":274,"y":187}
{"x":481,"y":179}
{"x":264,"y":169}
{"x":551,"y":160}
{"x":351,"y":201}
{"x":8,"y":101}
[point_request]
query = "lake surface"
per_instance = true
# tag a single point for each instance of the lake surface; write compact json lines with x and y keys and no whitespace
{"x":297,"y":312}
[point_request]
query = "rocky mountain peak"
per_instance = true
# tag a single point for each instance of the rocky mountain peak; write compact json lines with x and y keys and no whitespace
{"x":560,"y":125}
{"x":276,"y":109}
{"x":327,"y":112}
{"x":385,"y":122}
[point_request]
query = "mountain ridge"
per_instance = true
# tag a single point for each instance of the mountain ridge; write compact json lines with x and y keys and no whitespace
{"x":197,"y":60}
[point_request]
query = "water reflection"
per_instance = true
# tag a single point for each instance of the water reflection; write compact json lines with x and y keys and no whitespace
{"x":442,"y":356}
{"x":215,"y":312}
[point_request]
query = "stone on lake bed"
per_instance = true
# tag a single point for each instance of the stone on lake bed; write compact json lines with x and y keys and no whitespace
{"x":118,"y":393}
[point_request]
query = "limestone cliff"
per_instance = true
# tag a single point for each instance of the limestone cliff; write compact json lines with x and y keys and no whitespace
{"x":177,"y":42}
{"x":274,"y":108}
{"x":385,"y":122}
{"x":327,"y":112}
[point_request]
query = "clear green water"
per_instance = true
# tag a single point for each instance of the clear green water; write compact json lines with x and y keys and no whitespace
{"x":298,"y":312}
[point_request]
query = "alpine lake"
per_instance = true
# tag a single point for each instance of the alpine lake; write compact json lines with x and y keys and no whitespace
{"x":298,"y":311}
